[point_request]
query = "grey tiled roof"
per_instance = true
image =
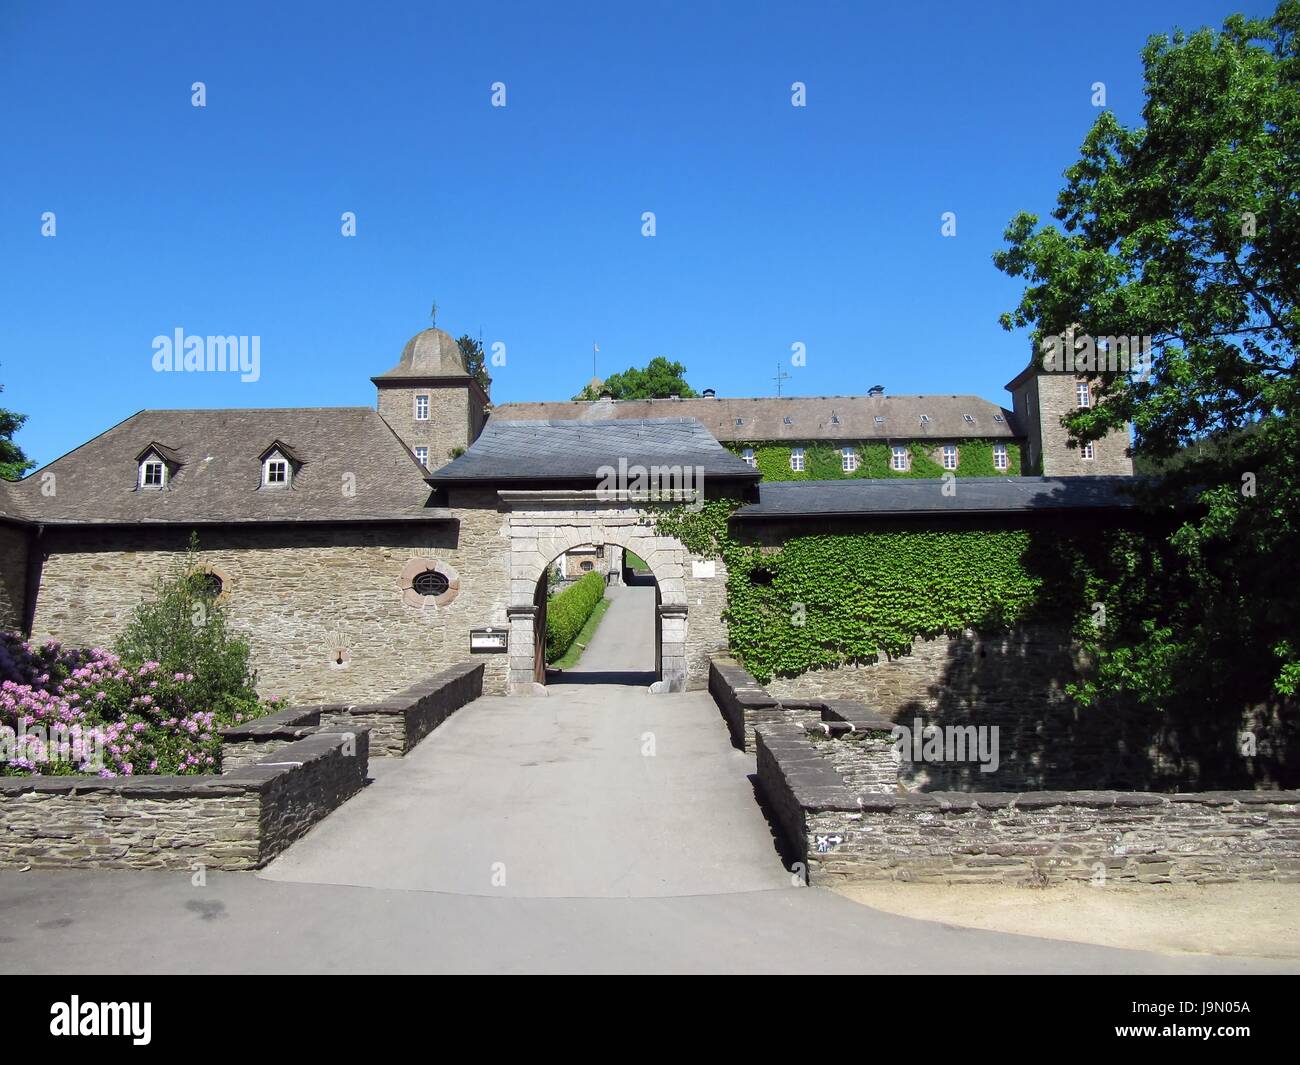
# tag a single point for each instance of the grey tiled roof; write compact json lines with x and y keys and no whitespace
{"x":431,"y":353}
{"x":12,"y":505}
{"x":810,"y":417}
{"x":576,"y":450}
{"x":974,"y":495}
{"x":218,"y":478}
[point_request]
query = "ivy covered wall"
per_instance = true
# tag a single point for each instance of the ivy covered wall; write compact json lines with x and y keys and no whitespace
{"x":820,"y":600}
{"x":823,"y":462}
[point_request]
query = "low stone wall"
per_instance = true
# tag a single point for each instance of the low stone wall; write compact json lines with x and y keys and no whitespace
{"x":238,"y":820}
{"x":745,"y":704}
{"x":248,"y":743}
{"x":843,"y":828}
{"x":401,"y":721}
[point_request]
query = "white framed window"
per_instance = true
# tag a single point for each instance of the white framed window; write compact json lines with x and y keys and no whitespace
{"x":748,"y":456}
{"x":796,"y":459}
{"x":1083,"y":394}
{"x":949,"y":457}
{"x":900,"y":458}
{"x":848,"y":459}
{"x":421,"y":408}
{"x":1000,"y":456}
{"x":422,"y":456}
{"x":153,"y":473}
{"x":275,"y":471}
{"x":1086,"y":451}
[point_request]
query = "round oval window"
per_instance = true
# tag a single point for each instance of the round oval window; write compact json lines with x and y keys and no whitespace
{"x":431,"y":582}
{"x":209,"y":584}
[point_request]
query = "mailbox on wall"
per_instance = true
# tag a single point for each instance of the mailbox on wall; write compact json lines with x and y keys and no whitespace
{"x":489,"y":641}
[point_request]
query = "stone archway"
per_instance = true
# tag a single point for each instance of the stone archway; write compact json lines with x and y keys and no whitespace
{"x":543,"y":525}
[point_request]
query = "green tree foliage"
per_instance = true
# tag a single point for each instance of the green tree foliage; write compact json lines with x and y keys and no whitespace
{"x":1186,"y":230}
{"x":659,"y":379}
{"x":475,"y":362}
{"x":567,"y":611}
{"x":13,"y":463}
{"x":183,"y":627}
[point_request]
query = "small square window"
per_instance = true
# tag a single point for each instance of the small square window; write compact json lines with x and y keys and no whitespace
{"x":422,"y":456}
{"x":998,"y":418}
{"x":740,"y":421}
{"x":796,"y":459}
{"x":949,"y":457}
{"x":848,"y":459}
{"x":835,"y":419}
{"x":880,"y":419}
{"x":999,"y":456}
{"x":277,"y":471}
{"x":421,"y":408}
{"x":900,"y":458}
{"x":153,"y":474}
{"x":1086,"y":451}
{"x":925,"y":419}
{"x":788,"y":420}
{"x":968,"y":419}
{"x":748,"y":456}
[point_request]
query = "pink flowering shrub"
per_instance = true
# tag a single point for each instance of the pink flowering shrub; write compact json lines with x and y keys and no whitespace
{"x":58,"y":706}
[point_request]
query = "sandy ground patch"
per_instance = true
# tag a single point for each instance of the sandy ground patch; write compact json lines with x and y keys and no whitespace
{"x":1250,"y":919}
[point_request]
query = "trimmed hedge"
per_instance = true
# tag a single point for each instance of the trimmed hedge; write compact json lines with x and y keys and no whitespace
{"x":568,"y":611}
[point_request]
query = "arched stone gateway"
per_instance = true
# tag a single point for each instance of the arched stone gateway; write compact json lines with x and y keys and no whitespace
{"x":545,"y":524}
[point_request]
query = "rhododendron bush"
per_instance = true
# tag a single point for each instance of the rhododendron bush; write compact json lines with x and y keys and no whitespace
{"x":152,"y":705}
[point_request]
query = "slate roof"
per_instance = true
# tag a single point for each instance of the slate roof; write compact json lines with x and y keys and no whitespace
{"x":974,"y":495}
{"x":217,"y":478}
{"x":431,"y":353}
{"x":810,"y":417}
{"x":561,"y":450}
{"x":12,"y":506}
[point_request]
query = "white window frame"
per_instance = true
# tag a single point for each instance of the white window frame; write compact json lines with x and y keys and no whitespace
{"x":949,"y":452}
{"x":748,"y":455}
{"x":848,"y":459}
{"x":900,"y":459}
{"x":1086,"y":452}
{"x":1083,"y":394}
{"x":422,"y":456}
{"x":1001,"y":457}
{"x":797,"y":460}
{"x":145,"y":465}
{"x":276,"y":460}
{"x":422,"y":408}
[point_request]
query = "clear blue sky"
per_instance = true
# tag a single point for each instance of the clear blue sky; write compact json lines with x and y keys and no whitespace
{"x":775,"y":224}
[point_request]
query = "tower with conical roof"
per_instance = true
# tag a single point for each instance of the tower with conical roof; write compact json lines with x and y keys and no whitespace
{"x":430,"y":400}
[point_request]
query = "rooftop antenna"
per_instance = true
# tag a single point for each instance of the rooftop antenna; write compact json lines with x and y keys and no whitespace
{"x":781,"y":375}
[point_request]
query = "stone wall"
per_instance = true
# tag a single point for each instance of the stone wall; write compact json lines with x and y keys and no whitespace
{"x":841,"y":831}
{"x":239,"y":820}
{"x":1040,"y":401}
{"x":400,"y":722}
{"x":1015,"y":681}
{"x":13,"y":575}
{"x":303,"y":597}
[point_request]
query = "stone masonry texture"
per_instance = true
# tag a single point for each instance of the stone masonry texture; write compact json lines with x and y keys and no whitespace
{"x":13,"y":575}
{"x":844,"y":833}
{"x":238,"y":820}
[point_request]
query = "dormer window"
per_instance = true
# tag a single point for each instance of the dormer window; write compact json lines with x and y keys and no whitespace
{"x":153,"y":473}
{"x":835,"y":419}
{"x":925,"y":419}
{"x":155,"y":466}
{"x":968,"y":419}
{"x":279,"y":464}
{"x":880,"y":419}
{"x":788,"y":420}
{"x":740,"y":422}
{"x":998,"y":418}
{"x":275,"y":472}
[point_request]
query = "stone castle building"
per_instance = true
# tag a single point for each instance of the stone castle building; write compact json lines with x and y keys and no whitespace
{"x":357,"y":554}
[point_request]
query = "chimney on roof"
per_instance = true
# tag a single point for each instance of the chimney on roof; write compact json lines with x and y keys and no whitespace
{"x":876,"y":390}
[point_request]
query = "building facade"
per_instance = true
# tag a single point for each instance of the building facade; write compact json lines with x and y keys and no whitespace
{"x":358,"y":548}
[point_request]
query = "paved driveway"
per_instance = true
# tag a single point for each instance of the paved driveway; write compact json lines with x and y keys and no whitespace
{"x":596,"y":791}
